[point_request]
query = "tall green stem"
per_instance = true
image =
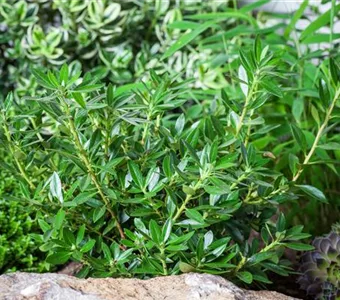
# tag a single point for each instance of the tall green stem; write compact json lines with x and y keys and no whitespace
{"x":84,"y":157}
{"x":246,"y":104}
{"x":163,"y":260}
{"x":318,"y":135}
{"x":186,"y":201}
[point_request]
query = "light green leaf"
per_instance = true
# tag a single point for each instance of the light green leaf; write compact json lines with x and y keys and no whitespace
{"x":88,"y":246}
{"x":186,"y":39}
{"x":298,"y":14}
{"x":87,"y":88}
{"x":55,"y":187}
{"x":79,"y":99}
{"x":59,"y":218}
{"x":330,"y":146}
{"x":321,"y":21}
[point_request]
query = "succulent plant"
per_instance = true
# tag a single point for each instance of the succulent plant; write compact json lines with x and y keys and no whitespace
{"x":320,"y":268}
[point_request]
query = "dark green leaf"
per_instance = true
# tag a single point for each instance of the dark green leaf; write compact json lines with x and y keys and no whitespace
{"x":245,"y":277}
{"x":58,"y":258}
{"x":313,"y":192}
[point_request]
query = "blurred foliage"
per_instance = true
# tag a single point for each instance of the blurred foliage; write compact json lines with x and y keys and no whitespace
{"x":19,"y":238}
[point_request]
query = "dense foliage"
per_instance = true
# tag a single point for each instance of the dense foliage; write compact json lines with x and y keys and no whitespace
{"x":154,"y":137}
{"x":18,"y":245}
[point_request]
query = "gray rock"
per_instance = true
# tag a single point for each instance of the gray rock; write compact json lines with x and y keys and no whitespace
{"x":19,"y":286}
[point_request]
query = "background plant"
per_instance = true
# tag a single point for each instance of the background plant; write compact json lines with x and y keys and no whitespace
{"x":19,"y":235}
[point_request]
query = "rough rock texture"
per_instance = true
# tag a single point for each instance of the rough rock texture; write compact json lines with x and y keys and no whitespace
{"x":183,"y":287}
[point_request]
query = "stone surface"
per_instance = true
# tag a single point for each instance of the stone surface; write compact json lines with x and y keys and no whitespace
{"x":20,"y":286}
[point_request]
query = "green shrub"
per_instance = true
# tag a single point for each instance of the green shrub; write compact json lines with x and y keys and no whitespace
{"x":140,"y":189}
{"x":111,"y":170}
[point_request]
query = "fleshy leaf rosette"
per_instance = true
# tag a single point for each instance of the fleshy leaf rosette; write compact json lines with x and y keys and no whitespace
{"x":320,"y":268}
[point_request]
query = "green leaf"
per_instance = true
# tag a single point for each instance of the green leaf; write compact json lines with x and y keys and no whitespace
{"x":272,"y":88}
{"x":179,"y":126}
{"x":299,"y":137}
{"x":106,"y":251}
{"x":321,"y":21}
{"x":68,"y":237}
{"x":225,"y":99}
{"x":293,"y":163}
{"x":98,"y":213}
{"x":188,"y":190}
{"x":315,"y":115}
{"x":155,"y":232}
{"x":298,"y":14}
{"x":167,"y":166}
{"x":8,"y":101}
{"x":208,"y":239}
{"x":261,"y":278}
{"x":261,"y":256}
{"x":152,"y":178}
{"x":59,"y":218}
{"x":183,"y":25}
{"x":88,"y":88}
{"x":194,"y":215}
{"x":79,"y":99}
{"x":313,"y":192}
{"x":181,"y":239}
{"x":186,"y":268}
{"x":136,"y":174}
{"x":253,"y":5}
{"x":281,"y":223}
{"x":88,"y":246}
{"x":83,"y":197}
{"x":242,"y":74}
{"x":245,"y":277}
{"x":58,"y":258}
{"x":83,"y":272}
{"x":219,"y":187}
{"x":334,"y":71}
{"x":176,"y":248}
{"x":222,"y":16}
{"x":323,"y":94}
{"x":55,"y":187}
{"x":64,"y":75}
{"x":186,"y":39}
{"x":192,"y":152}
{"x":80,"y":234}
{"x":318,"y":38}
{"x":330,"y":146}
{"x":166,"y":231}
{"x":257,"y":49}
{"x":44,"y":225}
{"x":43,"y":79}
{"x":299,"y":246}
{"x":109,"y":95}
{"x":53,"y":79}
